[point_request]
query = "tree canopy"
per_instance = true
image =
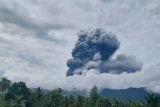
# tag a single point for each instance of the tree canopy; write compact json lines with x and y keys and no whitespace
{"x":19,"y":95}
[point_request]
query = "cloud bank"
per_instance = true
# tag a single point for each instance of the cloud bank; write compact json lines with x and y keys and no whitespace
{"x":37,"y":37}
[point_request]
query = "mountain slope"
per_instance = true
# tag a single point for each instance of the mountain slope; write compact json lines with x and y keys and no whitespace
{"x":125,"y":94}
{"x":122,"y":94}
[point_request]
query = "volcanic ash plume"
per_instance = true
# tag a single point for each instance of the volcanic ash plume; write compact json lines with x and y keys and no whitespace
{"x":94,"y":49}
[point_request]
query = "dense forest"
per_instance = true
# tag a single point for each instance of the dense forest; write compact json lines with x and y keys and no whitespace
{"x":19,"y":95}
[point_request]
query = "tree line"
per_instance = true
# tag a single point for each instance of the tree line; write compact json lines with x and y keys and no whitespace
{"x":17,"y":94}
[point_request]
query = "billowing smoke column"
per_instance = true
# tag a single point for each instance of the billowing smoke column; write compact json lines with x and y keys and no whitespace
{"x":94,"y":49}
{"x":122,"y":63}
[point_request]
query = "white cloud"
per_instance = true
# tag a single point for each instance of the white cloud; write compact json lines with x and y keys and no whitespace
{"x":36,"y":38}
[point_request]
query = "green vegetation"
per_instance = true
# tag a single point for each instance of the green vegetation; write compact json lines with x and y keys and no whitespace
{"x":19,"y":95}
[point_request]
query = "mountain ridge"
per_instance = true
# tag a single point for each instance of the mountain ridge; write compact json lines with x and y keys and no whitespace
{"x":121,"y":94}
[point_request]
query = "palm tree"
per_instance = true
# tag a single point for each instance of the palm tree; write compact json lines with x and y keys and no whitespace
{"x":4,"y":85}
{"x":94,"y":94}
{"x":152,"y":100}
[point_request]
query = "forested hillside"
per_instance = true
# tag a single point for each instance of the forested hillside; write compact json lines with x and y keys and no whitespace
{"x":19,"y":95}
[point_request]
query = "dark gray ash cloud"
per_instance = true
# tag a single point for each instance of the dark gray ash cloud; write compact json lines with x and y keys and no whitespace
{"x":122,"y":63}
{"x":94,"y":50}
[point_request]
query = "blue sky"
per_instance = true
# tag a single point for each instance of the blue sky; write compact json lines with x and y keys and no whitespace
{"x":37,"y":37}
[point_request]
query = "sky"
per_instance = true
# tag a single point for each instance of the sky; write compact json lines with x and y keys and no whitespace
{"x":37,"y":38}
